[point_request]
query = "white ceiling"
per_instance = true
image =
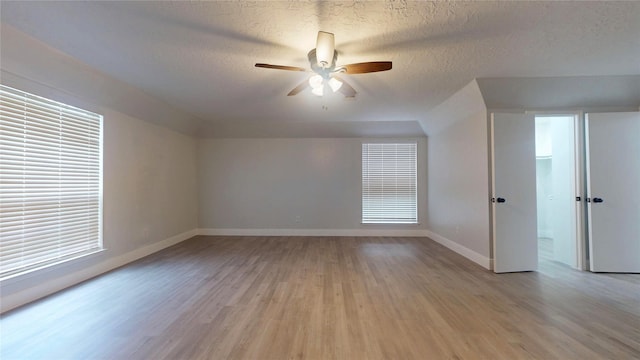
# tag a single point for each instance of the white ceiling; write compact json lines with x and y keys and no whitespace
{"x":200,"y":56}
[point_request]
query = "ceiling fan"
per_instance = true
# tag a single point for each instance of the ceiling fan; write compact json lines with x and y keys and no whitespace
{"x":323,"y":62}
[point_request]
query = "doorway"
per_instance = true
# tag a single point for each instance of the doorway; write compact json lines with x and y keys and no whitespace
{"x":557,"y":208}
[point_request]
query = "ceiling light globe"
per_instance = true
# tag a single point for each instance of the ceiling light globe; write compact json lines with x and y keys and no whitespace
{"x":319,"y":91}
{"x":335,"y":84}
{"x":316,"y":81}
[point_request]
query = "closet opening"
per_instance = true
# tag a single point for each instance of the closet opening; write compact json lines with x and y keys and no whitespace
{"x":557,"y":206}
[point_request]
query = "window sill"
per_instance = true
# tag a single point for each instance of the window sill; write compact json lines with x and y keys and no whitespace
{"x":48,"y":267}
{"x":381,"y":223}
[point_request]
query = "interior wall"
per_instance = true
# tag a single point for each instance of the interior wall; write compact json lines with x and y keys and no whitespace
{"x":280,"y":184}
{"x":458,"y":184}
{"x":544,"y":196}
{"x":563,"y":219}
{"x":544,"y":183}
{"x":149,"y":172}
{"x":150,"y":183}
{"x":588,"y":93}
{"x":458,"y":176}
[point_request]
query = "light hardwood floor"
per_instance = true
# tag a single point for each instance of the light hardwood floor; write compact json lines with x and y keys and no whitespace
{"x":328,"y":298}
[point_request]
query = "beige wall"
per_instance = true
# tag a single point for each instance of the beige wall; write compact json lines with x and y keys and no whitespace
{"x":288,"y":184}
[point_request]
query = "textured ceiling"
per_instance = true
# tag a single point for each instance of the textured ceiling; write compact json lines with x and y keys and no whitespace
{"x":200,"y":56}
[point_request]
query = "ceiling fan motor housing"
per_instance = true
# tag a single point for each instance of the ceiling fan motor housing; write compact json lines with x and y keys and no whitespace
{"x":326,"y":71}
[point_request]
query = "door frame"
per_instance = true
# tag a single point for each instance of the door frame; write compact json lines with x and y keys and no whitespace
{"x":581,"y":188}
{"x":580,"y":179}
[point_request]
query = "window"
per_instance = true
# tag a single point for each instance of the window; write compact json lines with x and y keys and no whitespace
{"x":389,"y":193}
{"x":50,"y":182}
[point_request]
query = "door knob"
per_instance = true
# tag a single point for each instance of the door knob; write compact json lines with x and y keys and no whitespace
{"x":500,"y":200}
{"x":597,"y":200}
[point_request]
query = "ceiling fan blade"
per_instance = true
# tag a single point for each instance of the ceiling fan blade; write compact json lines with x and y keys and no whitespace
{"x":347,"y":90}
{"x":281,"y":67}
{"x":296,"y":90}
{"x":366,"y":67}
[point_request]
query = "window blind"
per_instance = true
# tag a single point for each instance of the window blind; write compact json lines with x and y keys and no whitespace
{"x":389,"y":185}
{"x":50,"y":182}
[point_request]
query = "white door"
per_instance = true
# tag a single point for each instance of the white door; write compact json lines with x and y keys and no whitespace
{"x":613,"y":183}
{"x":515,"y":241}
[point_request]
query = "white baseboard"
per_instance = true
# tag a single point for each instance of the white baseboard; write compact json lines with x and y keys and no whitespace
{"x":49,"y":287}
{"x":545,"y":234}
{"x":314,"y":232}
{"x":477,"y":258}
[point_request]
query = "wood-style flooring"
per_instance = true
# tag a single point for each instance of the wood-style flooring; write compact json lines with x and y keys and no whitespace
{"x":328,"y":298}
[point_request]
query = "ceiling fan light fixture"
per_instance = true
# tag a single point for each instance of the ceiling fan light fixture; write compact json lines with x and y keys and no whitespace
{"x":318,"y":91}
{"x":325,"y":48}
{"x":335,"y":84}
{"x":317,"y":85}
{"x":316,"y":81}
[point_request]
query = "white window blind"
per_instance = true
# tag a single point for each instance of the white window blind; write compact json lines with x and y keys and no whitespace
{"x":389,"y":184}
{"x":50,"y":182}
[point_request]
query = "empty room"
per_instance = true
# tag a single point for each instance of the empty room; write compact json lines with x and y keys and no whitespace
{"x":319,"y":180}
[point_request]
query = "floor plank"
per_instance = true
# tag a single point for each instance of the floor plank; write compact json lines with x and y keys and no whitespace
{"x":328,"y":298}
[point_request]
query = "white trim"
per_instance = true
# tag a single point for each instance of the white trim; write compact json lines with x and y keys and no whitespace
{"x":545,"y":234}
{"x":492,"y":195}
{"x":314,"y":232}
{"x":477,"y":258}
{"x":580,"y":177}
{"x":46,"y":288}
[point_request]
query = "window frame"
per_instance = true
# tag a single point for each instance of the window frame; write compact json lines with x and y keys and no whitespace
{"x":91,"y":179}
{"x":390,"y":220}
